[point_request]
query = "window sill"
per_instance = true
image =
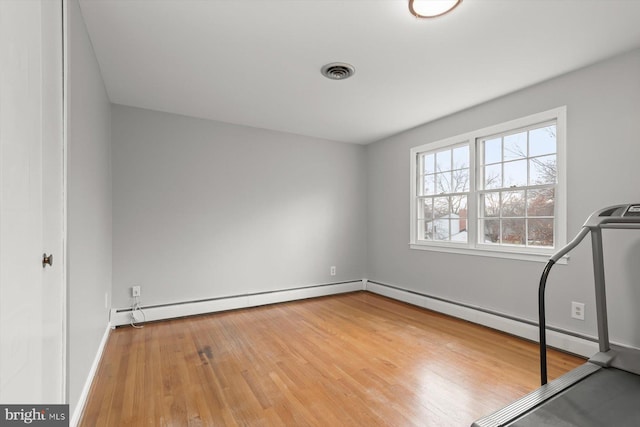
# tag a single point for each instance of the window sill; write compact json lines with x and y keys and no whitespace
{"x":488,"y":252}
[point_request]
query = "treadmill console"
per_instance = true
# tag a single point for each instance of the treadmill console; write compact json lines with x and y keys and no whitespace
{"x":618,"y":216}
{"x":632,"y":210}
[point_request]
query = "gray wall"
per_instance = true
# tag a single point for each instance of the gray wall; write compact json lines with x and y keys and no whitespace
{"x":204,"y":209}
{"x":603,"y":111}
{"x":88,"y":204}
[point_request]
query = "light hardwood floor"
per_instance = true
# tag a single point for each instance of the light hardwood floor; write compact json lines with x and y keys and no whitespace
{"x":355,"y":359}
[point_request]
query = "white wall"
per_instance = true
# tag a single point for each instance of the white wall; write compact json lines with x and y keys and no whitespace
{"x":88,"y":203}
{"x":204,"y":209}
{"x":603,"y":107}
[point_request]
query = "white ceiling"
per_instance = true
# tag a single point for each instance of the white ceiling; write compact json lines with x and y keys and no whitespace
{"x":257,"y":62}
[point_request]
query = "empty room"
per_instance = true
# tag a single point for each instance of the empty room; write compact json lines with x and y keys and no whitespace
{"x":320,"y":212}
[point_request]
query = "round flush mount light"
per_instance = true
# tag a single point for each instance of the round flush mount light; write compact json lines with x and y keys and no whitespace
{"x":338,"y":71}
{"x":432,"y":8}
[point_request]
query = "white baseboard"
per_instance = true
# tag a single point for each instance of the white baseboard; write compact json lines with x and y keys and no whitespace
{"x":559,"y":340}
{"x":120,"y":317}
{"x":569,"y":343}
{"x":82,"y":401}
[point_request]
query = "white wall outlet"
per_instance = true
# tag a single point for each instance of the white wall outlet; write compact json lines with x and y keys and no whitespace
{"x":577,"y":310}
{"x":332,"y":270}
{"x":135,"y":291}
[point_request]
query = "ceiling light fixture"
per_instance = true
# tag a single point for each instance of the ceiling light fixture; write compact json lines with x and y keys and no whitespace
{"x":432,"y":8}
{"x":338,"y":71}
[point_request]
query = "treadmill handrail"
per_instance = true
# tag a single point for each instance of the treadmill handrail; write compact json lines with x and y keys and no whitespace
{"x":610,"y":217}
{"x":572,"y":244}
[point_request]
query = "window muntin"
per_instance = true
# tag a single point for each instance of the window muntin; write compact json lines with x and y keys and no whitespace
{"x":514,"y":195}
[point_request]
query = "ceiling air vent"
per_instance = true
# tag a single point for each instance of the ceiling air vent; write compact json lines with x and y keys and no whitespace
{"x":338,"y":71}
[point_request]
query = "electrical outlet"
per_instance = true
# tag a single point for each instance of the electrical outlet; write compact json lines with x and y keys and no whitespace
{"x":577,"y":310}
{"x":333,"y":270}
{"x":135,"y":291}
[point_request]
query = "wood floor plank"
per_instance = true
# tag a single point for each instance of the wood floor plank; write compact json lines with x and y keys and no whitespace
{"x":355,"y":359}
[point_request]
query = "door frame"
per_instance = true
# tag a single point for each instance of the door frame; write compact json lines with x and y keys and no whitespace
{"x":54,"y":186}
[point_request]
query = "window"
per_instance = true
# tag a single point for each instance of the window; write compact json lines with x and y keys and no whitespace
{"x":442,"y":199}
{"x":497,"y":191}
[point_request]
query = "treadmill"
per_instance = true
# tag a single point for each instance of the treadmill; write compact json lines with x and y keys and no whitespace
{"x":605,"y":391}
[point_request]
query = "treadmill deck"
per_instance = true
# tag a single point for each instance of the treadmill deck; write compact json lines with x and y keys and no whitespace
{"x":608,"y":397}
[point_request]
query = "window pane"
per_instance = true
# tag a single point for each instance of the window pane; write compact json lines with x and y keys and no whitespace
{"x":443,"y":183}
{"x":512,"y":203}
{"x":441,"y":207}
{"x":515,"y":146}
{"x":542,"y":141}
{"x":490,"y":205}
{"x":460,"y":181}
{"x":459,"y":206}
{"x":459,"y":218}
{"x":461,"y":157}
{"x":425,"y":209}
{"x":491,"y":230}
{"x":493,"y":151}
{"x":441,"y":229}
{"x":543,"y":170}
{"x":443,"y":161}
{"x":541,"y":202}
{"x":493,"y":176}
{"x":515,"y":173}
{"x":540,"y":232}
{"x":425,"y":230}
{"x":429,"y":185}
{"x":513,"y":231}
{"x":429,"y":163}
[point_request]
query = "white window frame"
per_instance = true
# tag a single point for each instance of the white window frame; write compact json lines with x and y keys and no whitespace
{"x":473,"y":246}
